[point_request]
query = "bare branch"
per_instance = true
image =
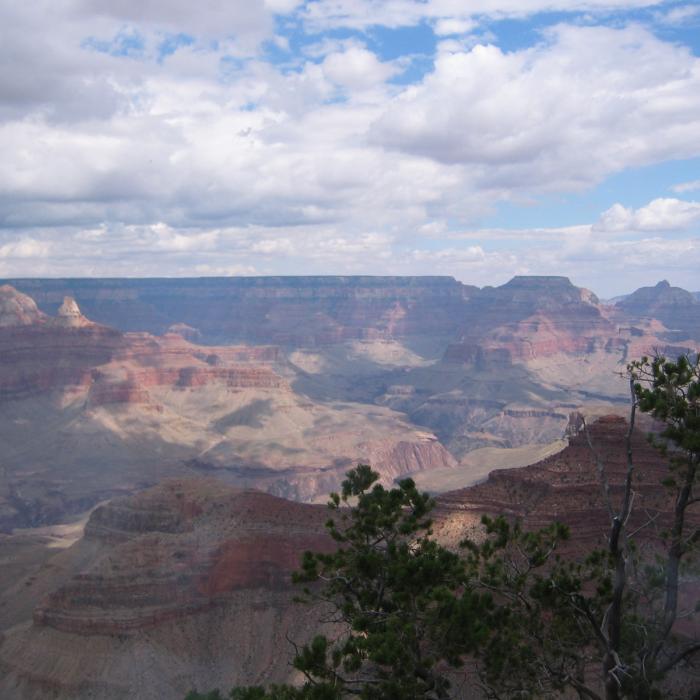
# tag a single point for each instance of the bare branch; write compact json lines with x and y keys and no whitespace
{"x":650,"y":521}
{"x":677,"y":658}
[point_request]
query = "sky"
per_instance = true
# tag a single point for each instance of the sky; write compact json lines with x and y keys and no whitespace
{"x":474,"y":138}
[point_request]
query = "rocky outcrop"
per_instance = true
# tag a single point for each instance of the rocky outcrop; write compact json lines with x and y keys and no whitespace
{"x":17,"y":309}
{"x":677,"y":309}
{"x":70,"y":316}
{"x":185,"y":585}
{"x":69,"y":352}
{"x":198,"y":542}
{"x":566,"y":486}
{"x":528,"y":318}
{"x":106,"y":390}
{"x":185,"y":331}
{"x":41,"y":354}
{"x":466,"y":421}
{"x":396,"y":461}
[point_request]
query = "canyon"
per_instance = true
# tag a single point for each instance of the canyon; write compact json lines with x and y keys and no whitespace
{"x":168,"y":444}
{"x":282,"y":384}
{"x":188,"y":584}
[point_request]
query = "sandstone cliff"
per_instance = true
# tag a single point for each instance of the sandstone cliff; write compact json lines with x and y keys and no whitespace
{"x":188,"y":584}
{"x":566,"y":487}
{"x":88,"y":412}
{"x":17,"y":309}
{"x":185,"y":585}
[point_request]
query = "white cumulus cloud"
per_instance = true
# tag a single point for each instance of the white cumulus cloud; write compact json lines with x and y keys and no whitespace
{"x":663,"y":214}
{"x":560,"y":115}
{"x":356,"y":67}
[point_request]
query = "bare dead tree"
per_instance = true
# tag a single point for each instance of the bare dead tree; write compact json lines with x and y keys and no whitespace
{"x":670,"y":392}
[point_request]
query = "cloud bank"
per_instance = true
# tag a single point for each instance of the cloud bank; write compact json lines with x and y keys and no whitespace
{"x":290,"y":137}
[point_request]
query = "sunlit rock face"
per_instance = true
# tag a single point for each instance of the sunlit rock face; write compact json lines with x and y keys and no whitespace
{"x":566,"y":487}
{"x":17,"y":309}
{"x":69,"y":315}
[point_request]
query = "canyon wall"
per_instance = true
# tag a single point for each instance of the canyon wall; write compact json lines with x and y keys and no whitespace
{"x":316,"y":374}
{"x":566,"y":487}
{"x":88,"y":412}
{"x":677,"y":309}
{"x":185,"y":585}
{"x":188,"y":584}
{"x":281,"y":310}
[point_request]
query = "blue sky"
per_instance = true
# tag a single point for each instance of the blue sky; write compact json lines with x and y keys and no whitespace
{"x":479,"y":140}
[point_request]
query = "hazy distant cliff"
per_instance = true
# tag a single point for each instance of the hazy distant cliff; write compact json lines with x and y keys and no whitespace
{"x":287,"y":310}
{"x":676,"y":308}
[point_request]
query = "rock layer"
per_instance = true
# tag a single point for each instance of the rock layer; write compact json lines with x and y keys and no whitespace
{"x":566,"y":487}
{"x":188,"y":584}
{"x":198,"y":541}
{"x":17,"y":309}
{"x":42,"y":354}
{"x":676,"y":308}
{"x":409,"y":373}
{"x":300,"y":311}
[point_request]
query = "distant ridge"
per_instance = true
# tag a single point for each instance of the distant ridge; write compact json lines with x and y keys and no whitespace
{"x":294,"y":310}
{"x":675,"y":307}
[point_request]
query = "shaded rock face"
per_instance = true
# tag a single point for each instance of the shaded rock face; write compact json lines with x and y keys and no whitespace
{"x":392,"y":459}
{"x":185,"y":585}
{"x":41,"y":357}
{"x":676,"y":308}
{"x":526,"y":318}
{"x":566,"y":486}
{"x":297,"y":311}
{"x":188,"y":584}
